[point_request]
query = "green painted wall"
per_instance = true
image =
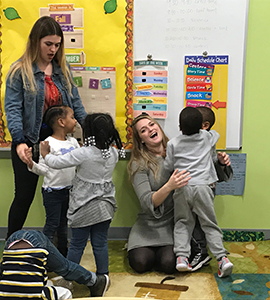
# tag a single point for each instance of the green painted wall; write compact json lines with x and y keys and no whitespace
{"x":250,"y":211}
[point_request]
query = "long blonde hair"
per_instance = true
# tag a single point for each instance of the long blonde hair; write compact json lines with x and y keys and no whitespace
{"x":44,"y":26}
{"x":140,"y":154}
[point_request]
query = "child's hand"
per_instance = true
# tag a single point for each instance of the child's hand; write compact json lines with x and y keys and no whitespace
{"x":28,"y":155}
{"x":224,"y":158}
{"x":44,"y":148}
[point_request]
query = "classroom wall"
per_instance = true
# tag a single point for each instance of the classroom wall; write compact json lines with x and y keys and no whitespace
{"x":250,"y":211}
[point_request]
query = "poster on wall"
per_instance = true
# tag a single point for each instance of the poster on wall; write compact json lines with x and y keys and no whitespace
{"x":150,"y":86}
{"x":206,"y":84}
{"x":93,"y":19}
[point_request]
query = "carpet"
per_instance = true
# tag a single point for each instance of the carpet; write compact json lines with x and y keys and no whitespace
{"x":250,"y":278}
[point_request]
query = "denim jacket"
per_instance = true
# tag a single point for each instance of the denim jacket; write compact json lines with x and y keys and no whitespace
{"x":24,"y":109}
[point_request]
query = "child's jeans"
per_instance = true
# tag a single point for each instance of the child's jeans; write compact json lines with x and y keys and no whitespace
{"x":56,"y":206}
{"x":98,"y":234}
{"x":56,"y":262}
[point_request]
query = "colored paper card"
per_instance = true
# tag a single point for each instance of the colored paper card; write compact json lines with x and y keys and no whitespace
{"x":153,"y":114}
{"x":210,"y":59}
{"x":56,"y":7}
{"x":199,"y":95}
{"x":75,"y":58}
{"x":61,"y":18}
{"x":199,"y":72}
{"x":198,"y":79}
{"x":235,"y":186}
{"x":150,"y":86}
{"x":67,"y":28}
{"x":195,"y":103}
{"x":199,"y":87}
{"x":159,"y":63}
{"x":151,"y":73}
{"x":150,"y":93}
{"x":156,"y":100}
{"x":150,"y":79}
{"x":78,"y":81}
{"x":93,"y":83}
{"x":153,"y":107}
{"x":200,"y":65}
{"x":106,"y":83}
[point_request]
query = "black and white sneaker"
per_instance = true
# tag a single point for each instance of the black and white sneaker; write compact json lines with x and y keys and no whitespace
{"x":199,"y":261}
{"x":100,"y":287}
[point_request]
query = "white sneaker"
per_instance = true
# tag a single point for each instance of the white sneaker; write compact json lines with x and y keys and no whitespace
{"x":182,"y":264}
{"x":225,"y":267}
{"x":60,"y":281}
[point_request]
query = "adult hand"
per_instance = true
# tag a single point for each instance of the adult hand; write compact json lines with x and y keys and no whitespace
{"x":178,"y":179}
{"x":224,"y":158}
{"x":44,"y":148}
{"x":21,"y":151}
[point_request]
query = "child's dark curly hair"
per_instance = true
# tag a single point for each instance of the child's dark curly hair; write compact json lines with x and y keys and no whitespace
{"x":49,"y":118}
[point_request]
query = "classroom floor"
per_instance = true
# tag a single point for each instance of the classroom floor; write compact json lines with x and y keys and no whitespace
{"x":250,"y":278}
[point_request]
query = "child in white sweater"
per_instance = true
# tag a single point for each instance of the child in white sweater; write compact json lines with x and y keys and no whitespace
{"x":59,"y":121}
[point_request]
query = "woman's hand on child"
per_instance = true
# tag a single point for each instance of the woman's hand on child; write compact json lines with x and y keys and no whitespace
{"x":178,"y":179}
{"x":21,"y":148}
{"x":44,"y":148}
{"x":224,"y":158}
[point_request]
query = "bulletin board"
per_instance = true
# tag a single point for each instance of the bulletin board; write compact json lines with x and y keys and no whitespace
{"x":97,"y":34}
{"x":172,"y":29}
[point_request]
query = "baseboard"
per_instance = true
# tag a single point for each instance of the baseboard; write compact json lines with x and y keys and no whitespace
{"x":122,"y":233}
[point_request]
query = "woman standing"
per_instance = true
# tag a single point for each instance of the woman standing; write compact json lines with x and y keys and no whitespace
{"x":39,"y":79}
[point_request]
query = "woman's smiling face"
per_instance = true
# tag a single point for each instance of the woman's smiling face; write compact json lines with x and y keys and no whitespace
{"x":149,"y":132}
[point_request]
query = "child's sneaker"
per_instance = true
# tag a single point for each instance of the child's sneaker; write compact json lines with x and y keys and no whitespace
{"x":200,"y":260}
{"x":101,"y":286}
{"x":225,"y":267}
{"x":182,"y":264}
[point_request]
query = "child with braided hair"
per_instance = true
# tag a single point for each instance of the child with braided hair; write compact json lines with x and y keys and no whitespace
{"x":92,"y":202}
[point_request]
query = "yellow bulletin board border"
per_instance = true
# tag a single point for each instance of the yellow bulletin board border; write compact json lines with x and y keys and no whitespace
{"x":128,"y":81}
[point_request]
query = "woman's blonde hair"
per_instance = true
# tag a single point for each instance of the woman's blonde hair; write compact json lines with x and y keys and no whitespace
{"x":140,"y":154}
{"x":44,"y":26}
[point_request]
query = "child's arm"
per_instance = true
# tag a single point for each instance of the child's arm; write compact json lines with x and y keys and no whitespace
{"x":169,"y":161}
{"x":40,"y":169}
{"x":70,"y":159}
{"x":214,"y":137}
{"x":28,"y":155}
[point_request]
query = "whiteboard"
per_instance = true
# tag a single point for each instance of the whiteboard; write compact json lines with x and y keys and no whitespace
{"x":172,"y":29}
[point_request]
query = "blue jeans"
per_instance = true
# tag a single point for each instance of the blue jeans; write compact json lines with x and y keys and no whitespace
{"x":98,"y":236}
{"x":56,"y":206}
{"x":56,"y":262}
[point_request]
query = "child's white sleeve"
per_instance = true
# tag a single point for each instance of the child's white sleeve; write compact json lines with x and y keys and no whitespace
{"x":39,"y":168}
